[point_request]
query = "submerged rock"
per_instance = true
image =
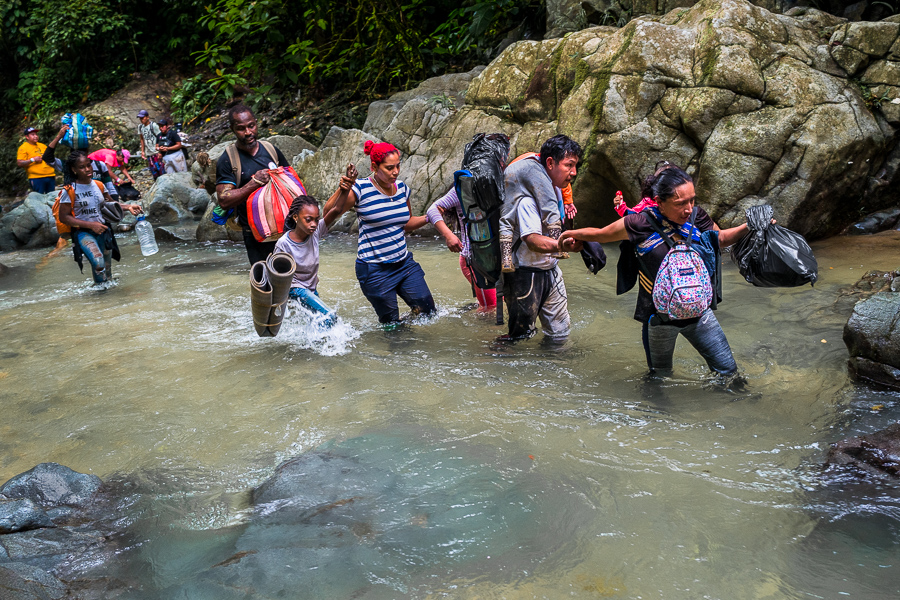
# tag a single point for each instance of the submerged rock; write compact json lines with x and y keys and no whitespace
{"x":19,"y":581}
{"x":22,"y":515}
{"x":876,"y":454}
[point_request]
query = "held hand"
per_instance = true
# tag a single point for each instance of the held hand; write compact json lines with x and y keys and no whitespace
{"x":619,"y":199}
{"x":453,"y":244}
{"x":346,"y":182}
{"x":97,"y":228}
{"x":570,"y":245}
{"x":571,"y":211}
{"x":62,"y":132}
{"x":143,"y":155}
{"x":133,"y":209}
{"x":261,"y":178}
{"x":352,"y":173}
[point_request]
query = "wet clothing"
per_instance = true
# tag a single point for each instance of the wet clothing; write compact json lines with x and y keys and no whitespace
{"x":98,"y":250}
{"x":382,"y":282}
{"x":306,"y":256}
{"x":88,"y":201}
{"x":38,"y":170}
{"x":652,"y":249}
{"x":450,"y":202}
{"x":528,"y":179}
{"x":536,"y":288}
{"x":704,"y":334}
{"x":381,"y":222}
{"x":310,"y":300}
{"x":250,"y":165}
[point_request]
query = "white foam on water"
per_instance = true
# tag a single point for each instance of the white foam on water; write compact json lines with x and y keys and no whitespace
{"x":307,"y":330}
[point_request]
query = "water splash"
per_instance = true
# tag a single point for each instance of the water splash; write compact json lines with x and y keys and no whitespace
{"x":309,"y":330}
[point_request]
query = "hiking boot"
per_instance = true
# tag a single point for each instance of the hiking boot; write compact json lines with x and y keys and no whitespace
{"x":506,"y":261}
{"x":553,"y":232}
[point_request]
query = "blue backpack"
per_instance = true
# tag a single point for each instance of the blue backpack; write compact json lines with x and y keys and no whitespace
{"x":79,"y":134}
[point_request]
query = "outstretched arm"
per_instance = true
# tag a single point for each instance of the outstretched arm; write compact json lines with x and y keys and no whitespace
{"x":614,"y":232}
{"x":731,"y":236}
{"x":342,"y":199}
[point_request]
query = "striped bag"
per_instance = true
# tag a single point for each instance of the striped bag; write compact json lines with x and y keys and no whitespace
{"x":268,"y":206}
{"x":79,"y":134}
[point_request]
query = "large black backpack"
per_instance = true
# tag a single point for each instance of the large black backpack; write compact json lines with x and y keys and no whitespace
{"x":479,"y":187}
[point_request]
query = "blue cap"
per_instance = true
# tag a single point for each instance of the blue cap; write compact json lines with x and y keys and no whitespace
{"x":142,"y":113}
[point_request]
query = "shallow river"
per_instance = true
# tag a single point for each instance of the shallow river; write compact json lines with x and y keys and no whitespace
{"x":529,"y":471}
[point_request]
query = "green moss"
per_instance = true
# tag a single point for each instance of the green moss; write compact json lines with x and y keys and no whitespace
{"x":582,"y":70}
{"x":602,"y":78}
{"x":709,"y":52}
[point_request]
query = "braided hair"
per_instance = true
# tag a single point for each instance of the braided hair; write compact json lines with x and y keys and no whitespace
{"x":290,"y":222}
{"x":69,"y":175}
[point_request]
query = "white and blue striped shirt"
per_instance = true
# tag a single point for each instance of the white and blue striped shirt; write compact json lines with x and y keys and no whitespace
{"x":381,"y":222}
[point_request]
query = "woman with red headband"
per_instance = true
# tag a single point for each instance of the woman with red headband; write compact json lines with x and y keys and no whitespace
{"x":384,"y":265}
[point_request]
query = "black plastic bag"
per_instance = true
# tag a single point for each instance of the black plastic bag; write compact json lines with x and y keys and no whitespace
{"x":772,"y":256}
{"x":127,"y":193}
{"x":594,"y":256}
{"x":485,"y":156}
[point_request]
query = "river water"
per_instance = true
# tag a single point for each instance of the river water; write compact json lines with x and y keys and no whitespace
{"x":530,"y":471}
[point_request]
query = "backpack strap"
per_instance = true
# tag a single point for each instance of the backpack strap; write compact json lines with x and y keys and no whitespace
{"x":235,"y":159}
{"x":273,"y":153}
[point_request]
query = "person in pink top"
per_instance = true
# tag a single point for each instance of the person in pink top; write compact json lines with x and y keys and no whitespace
{"x":114,"y":159}
{"x":622,"y":208}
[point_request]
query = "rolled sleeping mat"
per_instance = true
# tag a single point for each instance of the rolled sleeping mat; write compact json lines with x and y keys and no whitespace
{"x":260,"y":298}
{"x":112,"y":212}
{"x":280,"y":268}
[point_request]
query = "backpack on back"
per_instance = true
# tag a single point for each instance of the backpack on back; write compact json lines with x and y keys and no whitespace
{"x":479,"y":187}
{"x":79,"y":134}
{"x":61,"y":228}
{"x":682,"y":288}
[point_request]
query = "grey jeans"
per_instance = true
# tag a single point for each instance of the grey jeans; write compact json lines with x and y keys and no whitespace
{"x":705,"y":335}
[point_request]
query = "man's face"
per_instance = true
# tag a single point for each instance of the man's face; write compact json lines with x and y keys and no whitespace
{"x":32,"y":137}
{"x":562,"y":173}
{"x":145,"y":120}
{"x":164,"y":128}
{"x":245,"y":128}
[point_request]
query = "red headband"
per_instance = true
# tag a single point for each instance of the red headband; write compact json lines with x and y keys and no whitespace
{"x":378,"y":151}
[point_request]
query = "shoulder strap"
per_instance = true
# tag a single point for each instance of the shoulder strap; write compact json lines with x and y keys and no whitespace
{"x":273,"y":153}
{"x":235,"y":158}
{"x":658,"y":228}
{"x":100,"y":186}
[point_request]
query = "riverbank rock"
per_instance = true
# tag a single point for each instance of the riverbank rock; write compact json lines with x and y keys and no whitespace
{"x":115,"y":118}
{"x":52,"y":485}
{"x":22,"y":515}
{"x":872,"y":336}
{"x":759,"y":107}
{"x":207,"y":231}
{"x":874,"y":455}
{"x":875,"y":222}
{"x":173,"y":198}
{"x":20,"y":581}
{"x":29,"y":225}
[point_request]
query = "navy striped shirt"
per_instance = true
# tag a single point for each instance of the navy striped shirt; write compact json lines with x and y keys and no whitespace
{"x":381,"y":222}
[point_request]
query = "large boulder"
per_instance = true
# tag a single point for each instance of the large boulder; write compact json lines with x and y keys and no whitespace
{"x":20,"y":581}
{"x":759,"y":107}
{"x":173,"y":198}
{"x":115,"y":118}
{"x":29,"y":225}
{"x":207,"y":231}
{"x":21,"y":515}
{"x":872,"y":335}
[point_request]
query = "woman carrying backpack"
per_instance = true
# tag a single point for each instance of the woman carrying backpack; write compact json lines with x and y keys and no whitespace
{"x":81,"y":207}
{"x":676,"y":217}
{"x":384,"y":265}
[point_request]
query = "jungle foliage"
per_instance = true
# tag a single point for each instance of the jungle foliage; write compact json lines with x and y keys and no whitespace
{"x":57,"y":54}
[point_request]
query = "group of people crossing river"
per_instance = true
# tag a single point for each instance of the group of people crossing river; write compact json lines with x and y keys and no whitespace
{"x":531,"y":235}
{"x":538,"y":199}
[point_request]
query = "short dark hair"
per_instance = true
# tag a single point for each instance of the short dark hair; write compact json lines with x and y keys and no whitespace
{"x":297,"y":205}
{"x":663,"y":182}
{"x":238,"y":109}
{"x":559,"y":147}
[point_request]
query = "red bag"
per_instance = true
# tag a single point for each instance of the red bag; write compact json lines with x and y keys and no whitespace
{"x":268,"y":206}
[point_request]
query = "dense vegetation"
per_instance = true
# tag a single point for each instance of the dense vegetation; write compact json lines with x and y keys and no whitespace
{"x":57,"y":54}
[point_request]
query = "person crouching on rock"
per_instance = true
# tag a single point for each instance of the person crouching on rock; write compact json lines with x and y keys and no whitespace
{"x":80,"y":205}
{"x":673,"y":191}
{"x":302,"y":242}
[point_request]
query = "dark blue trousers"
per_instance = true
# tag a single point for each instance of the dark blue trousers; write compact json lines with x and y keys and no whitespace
{"x":382,"y":282}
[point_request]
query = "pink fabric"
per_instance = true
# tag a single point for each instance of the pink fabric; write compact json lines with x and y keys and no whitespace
{"x":486,"y":298}
{"x":109,"y":156}
{"x":644,"y":203}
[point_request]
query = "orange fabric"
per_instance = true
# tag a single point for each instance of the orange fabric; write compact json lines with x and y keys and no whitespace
{"x":566,"y":191}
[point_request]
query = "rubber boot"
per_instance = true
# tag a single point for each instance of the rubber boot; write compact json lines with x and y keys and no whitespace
{"x":553,"y":232}
{"x":506,"y":261}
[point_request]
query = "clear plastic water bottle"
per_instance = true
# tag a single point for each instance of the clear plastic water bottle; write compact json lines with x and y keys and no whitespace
{"x":146,"y":236}
{"x":480,"y":230}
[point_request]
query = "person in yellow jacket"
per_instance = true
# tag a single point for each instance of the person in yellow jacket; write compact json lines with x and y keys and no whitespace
{"x":41,"y":175}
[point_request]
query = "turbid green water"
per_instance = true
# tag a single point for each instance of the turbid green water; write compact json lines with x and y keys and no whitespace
{"x":529,"y":471}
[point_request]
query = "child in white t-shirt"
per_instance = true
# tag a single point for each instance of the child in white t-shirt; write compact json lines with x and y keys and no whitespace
{"x":305,"y":230}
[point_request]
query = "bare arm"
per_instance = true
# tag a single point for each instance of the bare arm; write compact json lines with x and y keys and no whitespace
{"x":540,"y":243}
{"x":453,"y":243}
{"x":66,"y":216}
{"x":614,"y":232}
{"x":340,"y":202}
{"x":231,"y":196}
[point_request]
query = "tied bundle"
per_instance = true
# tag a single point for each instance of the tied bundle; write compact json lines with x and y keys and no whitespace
{"x":79,"y":134}
{"x":270,"y":285}
{"x":268,"y":206}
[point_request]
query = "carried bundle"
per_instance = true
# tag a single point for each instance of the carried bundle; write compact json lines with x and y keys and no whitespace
{"x":79,"y":134}
{"x":270,"y":285}
{"x":479,"y":187}
{"x":268,"y":206}
{"x":772,"y":256}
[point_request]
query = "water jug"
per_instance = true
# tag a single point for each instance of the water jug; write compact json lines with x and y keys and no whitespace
{"x":146,"y":236}
{"x":479,"y":230}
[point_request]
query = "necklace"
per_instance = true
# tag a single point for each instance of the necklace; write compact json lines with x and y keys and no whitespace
{"x":374,"y":181}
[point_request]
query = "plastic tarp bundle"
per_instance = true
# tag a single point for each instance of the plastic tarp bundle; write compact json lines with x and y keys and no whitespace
{"x":485,"y":158}
{"x":79,"y":134}
{"x":270,"y":285}
{"x":772,"y":256}
{"x":268,"y":206}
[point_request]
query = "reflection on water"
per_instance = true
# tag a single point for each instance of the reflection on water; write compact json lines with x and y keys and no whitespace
{"x":575,"y":473}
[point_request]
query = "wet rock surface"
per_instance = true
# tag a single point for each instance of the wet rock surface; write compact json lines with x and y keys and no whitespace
{"x":872,"y":334}
{"x":173,"y":199}
{"x":873,"y":455}
{"x":52,"y":484}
